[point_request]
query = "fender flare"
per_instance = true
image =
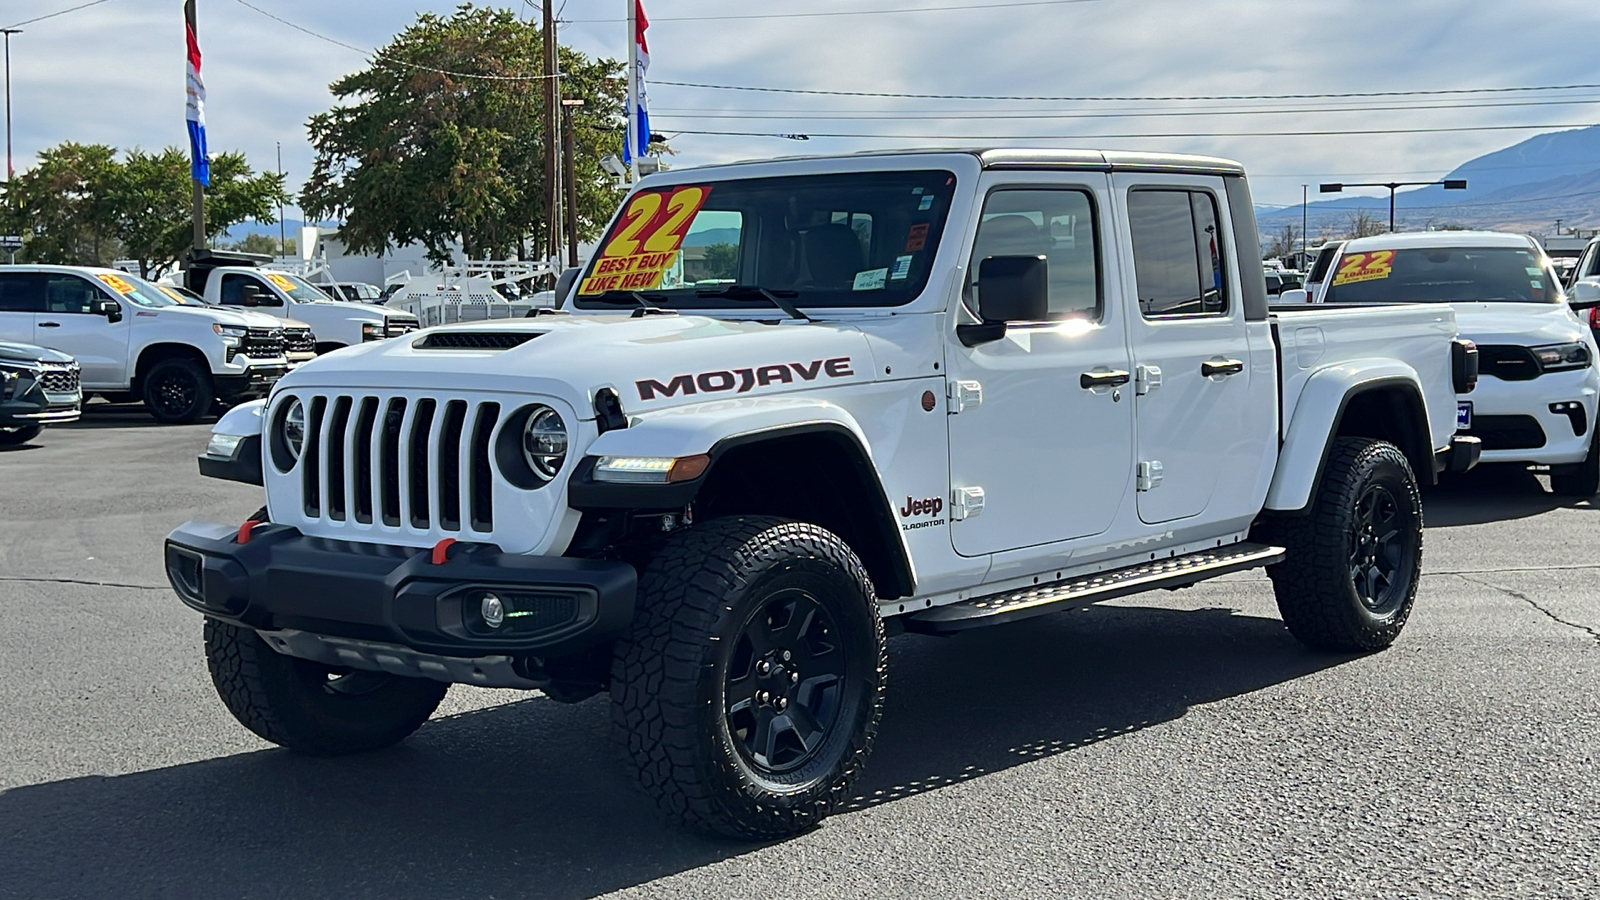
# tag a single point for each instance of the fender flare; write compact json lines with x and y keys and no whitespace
{"x":1318,"y":415}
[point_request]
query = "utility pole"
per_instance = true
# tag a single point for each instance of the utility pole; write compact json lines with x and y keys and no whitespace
{"x":199,"y":195}
{"x":8,"y":32}
{"x":283,"y":240}
{"x":570,"y":178}
{"x":1303,"y":189}
{"x":552,"y":131}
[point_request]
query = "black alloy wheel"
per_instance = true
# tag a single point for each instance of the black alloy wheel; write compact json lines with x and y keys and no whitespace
{"x":784,"y":682}
{"x":1380,"y":550}
{"x":178,"y":391}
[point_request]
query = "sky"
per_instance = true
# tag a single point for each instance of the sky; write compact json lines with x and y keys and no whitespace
{"x":114,"y":73}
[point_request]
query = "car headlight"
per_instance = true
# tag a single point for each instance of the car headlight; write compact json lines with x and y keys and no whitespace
{"x":294,"y":429}
{"x":544,"y":442}
{"x":371,"y":331}
{"x":223,"y":446}
{"x":1561,"y":357}
{"x":230,"y":332}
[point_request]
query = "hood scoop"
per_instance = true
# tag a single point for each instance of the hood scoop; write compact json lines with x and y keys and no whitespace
{"x":475,"y":340}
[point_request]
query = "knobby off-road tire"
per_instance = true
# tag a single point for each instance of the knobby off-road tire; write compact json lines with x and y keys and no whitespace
{"x":748,"y":692}
{"x":1582,"y":481}
{"x":310,"y":707}
{"x":11,"y":437}
{"x":1350,"y":577}
{"x":178,"y":391}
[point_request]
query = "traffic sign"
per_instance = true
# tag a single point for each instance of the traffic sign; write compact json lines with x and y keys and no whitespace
{"x":10,"y":243}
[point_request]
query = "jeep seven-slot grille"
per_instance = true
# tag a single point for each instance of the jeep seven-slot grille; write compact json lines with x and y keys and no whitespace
{"x":420,"y":464}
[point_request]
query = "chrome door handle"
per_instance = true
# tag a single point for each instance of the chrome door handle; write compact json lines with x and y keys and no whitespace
{"x":1221,"y":367}
{"x":48,"y":324}
{"x":1113,"y":378}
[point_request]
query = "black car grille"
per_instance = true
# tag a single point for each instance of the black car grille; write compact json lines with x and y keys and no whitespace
{"x":299,"y":340}
{"x":259,"y":342}
{"x":395,"y":327}
{"x":1508,"y":432}
{"x":474,"y":340}
{"x":1508,"y":363}
{"x":60,"y":379}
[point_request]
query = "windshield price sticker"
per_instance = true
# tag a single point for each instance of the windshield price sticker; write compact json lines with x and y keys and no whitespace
{"x":646,"y":240}
{"x":116,"y":283}
{"x":282,"y":282}
{"x":1369,"y":266}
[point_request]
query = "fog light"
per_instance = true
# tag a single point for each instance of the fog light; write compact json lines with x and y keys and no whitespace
{"x":493,"y":611}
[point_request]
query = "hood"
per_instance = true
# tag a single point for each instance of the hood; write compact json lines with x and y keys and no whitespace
{"x":1524,"y":324}
{"x":367,"y":311}
{"x":652,"y":362}
{"x":207,"y":315}
{"x":29,"y":353}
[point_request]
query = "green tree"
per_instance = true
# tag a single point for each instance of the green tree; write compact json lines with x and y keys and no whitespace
{"x":420,"y":150}
{"x":63,"y":206}
{"x":154,"y":203}
{"x":264,"y":244}
{"x":721,"y":260}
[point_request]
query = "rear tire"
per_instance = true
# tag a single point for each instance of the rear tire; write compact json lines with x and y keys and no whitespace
{"x":11,"y":437}
{"x":1584,"y":479}
{"x":1350,"y":577}
{"x":306,"y":706}
{"x":748,"y":693}
{"x":177,"y":391}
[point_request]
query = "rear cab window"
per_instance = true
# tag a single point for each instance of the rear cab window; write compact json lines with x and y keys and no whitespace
{"x":1177,"y":253}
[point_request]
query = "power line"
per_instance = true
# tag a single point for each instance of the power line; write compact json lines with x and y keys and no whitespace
{"x":1147,"y":136}
{"x":852,"y":12}
{"x":379,"y":57}
{"x":59,"y":12}
{"x":1088,"y":99}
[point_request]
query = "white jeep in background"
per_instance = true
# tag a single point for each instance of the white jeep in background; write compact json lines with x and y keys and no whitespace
{"x":915,"y":391}
{"x":134,"y":341}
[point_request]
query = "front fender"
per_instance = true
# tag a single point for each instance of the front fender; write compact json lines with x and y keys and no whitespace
{"x":700,"y":427}
{"x":1315,"y":422}
{"x":234,"y":452}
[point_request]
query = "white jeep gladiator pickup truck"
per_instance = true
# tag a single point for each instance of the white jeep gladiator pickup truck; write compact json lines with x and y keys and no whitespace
{"x":134,"y":341}
{"x":336,"y":323}
{"x":907,"y":391}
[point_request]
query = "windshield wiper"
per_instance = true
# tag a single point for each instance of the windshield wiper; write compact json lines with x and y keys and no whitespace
{"x":780,"y":299}
{"x":646,"y":301}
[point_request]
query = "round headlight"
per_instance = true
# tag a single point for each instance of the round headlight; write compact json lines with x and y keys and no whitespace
{"x":544,"y":441}
{"x":294,"y":429}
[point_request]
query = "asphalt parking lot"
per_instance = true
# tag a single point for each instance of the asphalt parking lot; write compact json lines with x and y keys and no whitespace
{"x":1167,"y":745}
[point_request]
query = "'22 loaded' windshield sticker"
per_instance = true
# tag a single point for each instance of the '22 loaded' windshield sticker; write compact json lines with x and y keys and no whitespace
{"x":646,"y":240}
{"x":1369,"y":266}
{"x":115,"y":282}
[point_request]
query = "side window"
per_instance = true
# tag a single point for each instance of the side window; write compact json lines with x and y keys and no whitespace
{"x":1056,"y":223}
{"x":21,"y":292}
{"x":69,"y":294}
{"x":1177,"y":253}
{"x":245,"y":290}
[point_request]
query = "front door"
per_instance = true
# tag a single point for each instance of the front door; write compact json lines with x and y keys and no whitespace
{"x":1050,"y":443}
{"x":68,"y":324}
{"x":1191,"y":349}
{"x":21,"y":295}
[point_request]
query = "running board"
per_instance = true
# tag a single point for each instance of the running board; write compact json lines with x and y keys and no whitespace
{"x":1082,"y":590}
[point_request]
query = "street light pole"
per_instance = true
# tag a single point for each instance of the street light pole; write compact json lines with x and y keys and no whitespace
{"x":1450,"y":184}
{"x":283,"y":239}
{"x":8,"y":32}
{"x":1303,"y":189}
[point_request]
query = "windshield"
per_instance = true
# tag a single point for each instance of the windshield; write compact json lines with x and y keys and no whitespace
{"x":296,"y":287}
{"x":136,"y":290}
{"x":853,"y":240}
{"x":1443,"y":275}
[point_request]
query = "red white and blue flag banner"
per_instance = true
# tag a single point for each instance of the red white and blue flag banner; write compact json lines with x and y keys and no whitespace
{"x":199,"y":165}
{"x":641,"y":57}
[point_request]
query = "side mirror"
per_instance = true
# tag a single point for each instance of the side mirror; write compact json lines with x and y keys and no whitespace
{"x":1294,"y":295}
{"x":1010,"y":289}
{"x":111,"y":309}
{"x":1585,"y":295}
{"x":564,"y":284}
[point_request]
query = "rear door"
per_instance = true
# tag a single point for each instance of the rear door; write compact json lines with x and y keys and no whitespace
{"x":21,"y":295}
{"x":69,"y":325}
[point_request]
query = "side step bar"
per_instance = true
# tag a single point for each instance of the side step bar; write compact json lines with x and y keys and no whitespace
{"x":1082,"y":590}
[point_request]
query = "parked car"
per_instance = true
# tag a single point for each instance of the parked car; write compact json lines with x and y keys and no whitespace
{"x":299,"y":342}
{"x":1281,"y":280}
{"x":944,"y":390}
{"x":38,"y":387}
{"x":134,"y":341}
{"x":354,"y":291}
{"x":1537,"y":401}
{"x":1583,"y":282}
{"x":225,"y":281}
{"x":1319,"y":269}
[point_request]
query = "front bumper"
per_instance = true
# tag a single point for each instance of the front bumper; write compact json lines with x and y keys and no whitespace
{"x":1543,"y":421}
{"x":254,"y":381}
{"x":392,"y":609}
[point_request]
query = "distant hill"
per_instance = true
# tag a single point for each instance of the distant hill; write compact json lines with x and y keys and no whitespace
{"x":1525,"y":187}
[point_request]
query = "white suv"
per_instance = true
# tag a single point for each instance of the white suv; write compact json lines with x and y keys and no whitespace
{"x":1537,"y":405}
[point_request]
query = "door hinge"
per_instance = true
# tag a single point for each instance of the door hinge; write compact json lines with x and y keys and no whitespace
{"x":966,"y":503}
{"x":1150,"y":472}
{"x":1146,"y":379}
{"x":963,"y":395}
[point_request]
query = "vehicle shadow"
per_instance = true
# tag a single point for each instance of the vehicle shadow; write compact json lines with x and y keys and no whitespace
{"x":18,"y":448}
{"x":119,"y":415}
{"x":530,"y":798}
{"x":1492,"y":494}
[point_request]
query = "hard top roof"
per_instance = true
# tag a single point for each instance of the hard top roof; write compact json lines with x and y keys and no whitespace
{"x":1439,"y":239}
{"x":1026,"y":158}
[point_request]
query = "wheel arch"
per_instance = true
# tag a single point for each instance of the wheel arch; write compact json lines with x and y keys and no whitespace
{"x":154,"y":354}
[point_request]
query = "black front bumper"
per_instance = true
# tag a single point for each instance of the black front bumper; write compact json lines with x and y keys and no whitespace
{"x":254,"y":381}
{"x":282,"y":580}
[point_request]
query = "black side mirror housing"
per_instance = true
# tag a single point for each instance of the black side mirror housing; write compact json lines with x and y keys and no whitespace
{"x":111,"y":309}
{"x":1010,"y":289}
{"x":564,"y":283}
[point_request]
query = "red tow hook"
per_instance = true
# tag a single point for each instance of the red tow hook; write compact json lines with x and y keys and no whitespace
{"x":246,"y":528}
{"x":441,"y":551}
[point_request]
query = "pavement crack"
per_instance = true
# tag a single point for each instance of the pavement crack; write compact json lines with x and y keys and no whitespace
{"x":24,"y":579}
{"x":1533,"y":603}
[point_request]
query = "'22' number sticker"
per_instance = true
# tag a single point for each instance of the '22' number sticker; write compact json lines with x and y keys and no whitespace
{"x":656,"y":222}
{"x":1368,"y":266}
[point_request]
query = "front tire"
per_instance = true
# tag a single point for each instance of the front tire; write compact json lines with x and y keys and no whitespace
{"x":306,"y":706}
{"x":11,"y":437}
{"x":1584,"y":479}
{"x":749,"y":690}
{"x":178,"y":391}
{"x":1350,"y":577}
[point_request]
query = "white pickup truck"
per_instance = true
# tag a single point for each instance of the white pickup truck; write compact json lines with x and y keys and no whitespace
{"x":336,"y":323}
{"x":915,"y":391}
{"x":135,"y":341}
